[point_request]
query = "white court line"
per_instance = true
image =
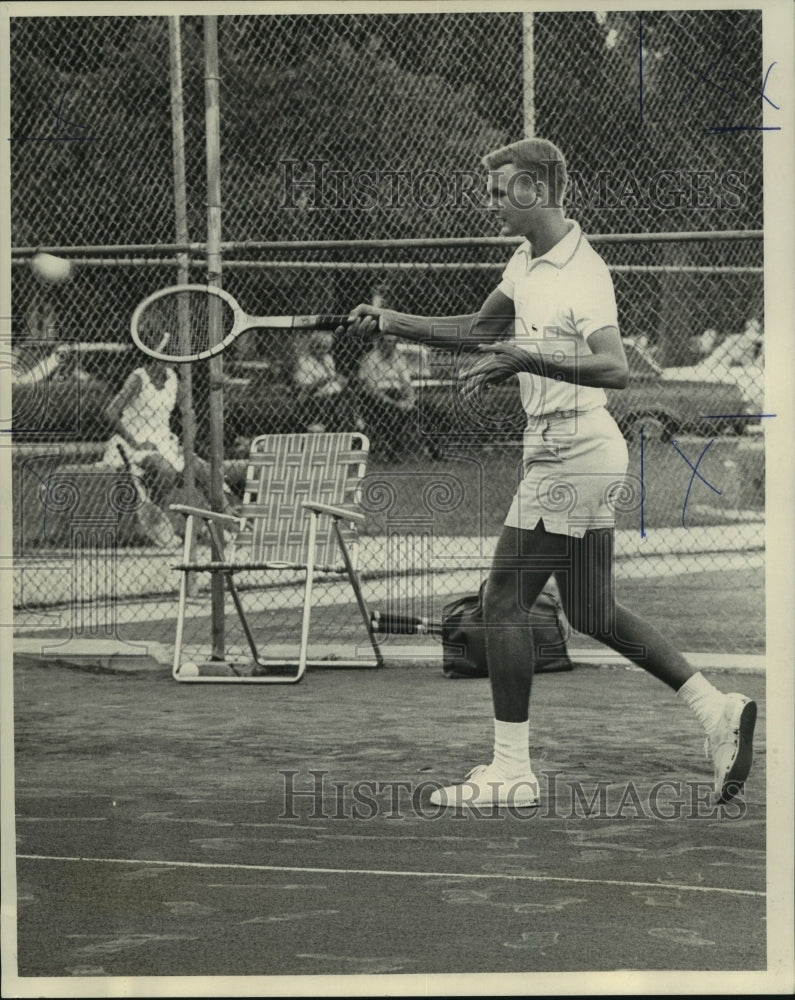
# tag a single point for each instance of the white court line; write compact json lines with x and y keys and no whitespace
{"x":402,"y":874}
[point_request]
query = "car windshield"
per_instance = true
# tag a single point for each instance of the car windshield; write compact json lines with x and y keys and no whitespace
{"x":737,"y":349}
{"x":639,"y":361}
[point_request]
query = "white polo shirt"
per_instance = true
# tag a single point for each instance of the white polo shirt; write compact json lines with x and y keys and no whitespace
{"x":561,"y":298}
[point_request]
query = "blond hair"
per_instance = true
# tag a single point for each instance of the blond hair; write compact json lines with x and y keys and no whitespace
{"x":539,"y":158}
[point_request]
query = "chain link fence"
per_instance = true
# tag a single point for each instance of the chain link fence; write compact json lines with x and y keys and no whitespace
{"x":350,"y":149}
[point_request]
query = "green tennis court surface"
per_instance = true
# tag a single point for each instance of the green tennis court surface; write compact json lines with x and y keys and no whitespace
{"x":175,"y":830}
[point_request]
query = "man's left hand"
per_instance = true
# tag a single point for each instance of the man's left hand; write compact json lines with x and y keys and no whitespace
{"x":498,"y":363}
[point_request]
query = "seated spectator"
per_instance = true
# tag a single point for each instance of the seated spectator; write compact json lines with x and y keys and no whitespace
{"x":418,"y":359}
{"x":388,"y":398}
{"x":323,"y":403}
{"x":701,"y":346}
{"x":141,"y":413}
{"x":740,"y":349}
{"x":30,"y":369}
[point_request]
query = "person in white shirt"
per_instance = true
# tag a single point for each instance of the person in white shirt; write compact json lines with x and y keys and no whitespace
{"x":140,"y":414}
{"x":321,"y":390}
{"x":552,"y":320}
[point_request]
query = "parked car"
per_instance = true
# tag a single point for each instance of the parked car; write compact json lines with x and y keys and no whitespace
{"x":665,"y":405}
{"x":662,"y":405}
{"x":257,"y":400}
{"x":737,"y":360}
{"x":60,"y":393}
{"x":67,"y":398}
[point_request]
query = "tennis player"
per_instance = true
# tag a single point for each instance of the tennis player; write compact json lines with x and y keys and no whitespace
{"x":552,"y":320}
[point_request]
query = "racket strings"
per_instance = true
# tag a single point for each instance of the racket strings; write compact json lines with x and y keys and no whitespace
{"x":184,"y":323}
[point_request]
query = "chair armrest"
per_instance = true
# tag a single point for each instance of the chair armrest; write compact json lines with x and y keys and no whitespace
{"x":209,"y":515}
{"x":338,"y":512}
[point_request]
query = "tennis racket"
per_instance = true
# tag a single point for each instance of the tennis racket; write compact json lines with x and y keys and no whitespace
{"x":387,"y":623}
{"x":152,"y":521}
{"x":194,"y":322}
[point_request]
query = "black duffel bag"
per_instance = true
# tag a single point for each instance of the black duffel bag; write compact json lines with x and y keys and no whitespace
{"x":464,"y":638}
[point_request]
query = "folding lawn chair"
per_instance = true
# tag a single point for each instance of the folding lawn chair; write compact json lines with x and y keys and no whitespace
{"x":297,"y":515}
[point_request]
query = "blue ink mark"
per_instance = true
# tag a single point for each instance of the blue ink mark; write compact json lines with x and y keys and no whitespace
{"x":756,"y":90}
{"x":640,"y":73}
{"x":60,"y":122}
{"x":695,"y":473}
{"x":764,"y":84}
{"x":642,"y":489}
{"x":703,"y":76}
{"x":724,"y":129}
{"x":719,"y":129}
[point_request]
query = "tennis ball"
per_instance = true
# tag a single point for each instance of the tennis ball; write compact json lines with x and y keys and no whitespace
{"x":53,"y":270}
{"x":189,"y":670}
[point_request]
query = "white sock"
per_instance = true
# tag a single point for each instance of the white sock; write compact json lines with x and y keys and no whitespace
{"x":512,"y":748}
{"x":705,"y":700}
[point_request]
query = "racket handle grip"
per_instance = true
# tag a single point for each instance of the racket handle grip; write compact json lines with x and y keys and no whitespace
{"x":319,"y":321}
{"x":385,"y":623}
{"x":124,"y":456}
{"x":324,"y":322}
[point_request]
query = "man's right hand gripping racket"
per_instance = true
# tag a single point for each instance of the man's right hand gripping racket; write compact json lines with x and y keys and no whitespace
{"x":193,"y":322}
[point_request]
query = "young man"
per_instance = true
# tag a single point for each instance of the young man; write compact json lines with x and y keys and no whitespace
{"x":556,"y":298}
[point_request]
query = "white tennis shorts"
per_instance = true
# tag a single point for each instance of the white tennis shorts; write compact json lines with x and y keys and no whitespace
{"x":574,"y":468}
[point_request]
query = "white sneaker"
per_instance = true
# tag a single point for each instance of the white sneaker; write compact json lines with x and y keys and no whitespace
{"x":731,"y":746}
{"x":486,"y":786}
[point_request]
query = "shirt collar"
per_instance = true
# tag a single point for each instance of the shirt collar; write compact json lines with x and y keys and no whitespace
{"x":561,"y":253}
